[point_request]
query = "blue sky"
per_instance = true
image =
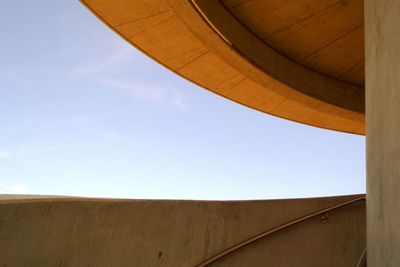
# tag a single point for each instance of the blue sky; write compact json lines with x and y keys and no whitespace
{"x":83,"y":113}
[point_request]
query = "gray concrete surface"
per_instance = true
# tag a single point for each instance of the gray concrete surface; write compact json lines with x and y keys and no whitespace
{"x":382,"y":28}
{"x":110,"y":232}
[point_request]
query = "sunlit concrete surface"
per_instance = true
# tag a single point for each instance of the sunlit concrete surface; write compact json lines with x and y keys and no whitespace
{"x":303,"y":61}
{"x":111,"y":232}
{"x":299,"y":60}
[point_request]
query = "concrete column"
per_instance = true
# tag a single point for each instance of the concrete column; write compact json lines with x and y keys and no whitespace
{"x":382,"y":40}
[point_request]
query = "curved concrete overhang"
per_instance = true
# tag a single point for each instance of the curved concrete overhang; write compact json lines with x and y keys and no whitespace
{"x":208,"y":44}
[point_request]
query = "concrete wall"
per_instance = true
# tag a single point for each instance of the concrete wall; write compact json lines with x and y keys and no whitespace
{"x":382,"y":29}
{"x":103,"y":232}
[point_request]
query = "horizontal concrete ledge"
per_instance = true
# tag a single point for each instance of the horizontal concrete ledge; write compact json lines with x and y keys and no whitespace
{"x":36,"y":231}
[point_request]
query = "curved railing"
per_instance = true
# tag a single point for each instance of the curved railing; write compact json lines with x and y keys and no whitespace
{"x":362,"y":262}
{"x":279,"y":228}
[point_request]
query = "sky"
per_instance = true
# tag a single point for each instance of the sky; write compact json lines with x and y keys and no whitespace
{"x":83,"y":113}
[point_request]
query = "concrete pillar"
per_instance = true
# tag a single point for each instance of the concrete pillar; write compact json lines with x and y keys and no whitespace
{"x":382,"y":40}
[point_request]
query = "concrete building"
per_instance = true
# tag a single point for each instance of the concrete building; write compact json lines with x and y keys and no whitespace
{"x":300,"y":60}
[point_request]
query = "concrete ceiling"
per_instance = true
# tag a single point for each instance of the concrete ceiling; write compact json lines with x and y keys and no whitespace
{"x":299,"y":60}
{"x":326,"y":36}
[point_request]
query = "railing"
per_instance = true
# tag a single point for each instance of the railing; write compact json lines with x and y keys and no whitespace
{"x":362,"y":262}
{"x":279,"y":228}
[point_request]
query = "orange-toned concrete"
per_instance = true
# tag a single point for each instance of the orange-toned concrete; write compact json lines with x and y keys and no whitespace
{"x":277,"y":68}
{"x":326,"y":36}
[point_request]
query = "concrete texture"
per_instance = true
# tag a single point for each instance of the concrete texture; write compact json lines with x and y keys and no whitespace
{"x":105,"y":232}
{"x":383,"y":131}
{"x":257,"y":60}
{"x":312,"y":33}
{"x":217,"y":46}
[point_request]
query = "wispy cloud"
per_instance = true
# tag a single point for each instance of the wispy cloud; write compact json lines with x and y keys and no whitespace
{"x":5,"y":154}
{"x":112,"y":64}
{"x":110,"y":135}
{"x":110,"y":70}
{"x":13,"y":188}
{"x":17,"y":77}
{"x":149,"y":93}
{"x":29,"y":150}
{"x":23,"y":151}
{"x":85,"y":118}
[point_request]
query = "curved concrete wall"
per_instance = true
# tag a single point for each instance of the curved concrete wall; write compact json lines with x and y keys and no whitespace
{"x":106,"y":232}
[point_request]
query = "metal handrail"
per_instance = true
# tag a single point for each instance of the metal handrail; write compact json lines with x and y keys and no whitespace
{"x":276,"y":229}
{"x":363,"y":259}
